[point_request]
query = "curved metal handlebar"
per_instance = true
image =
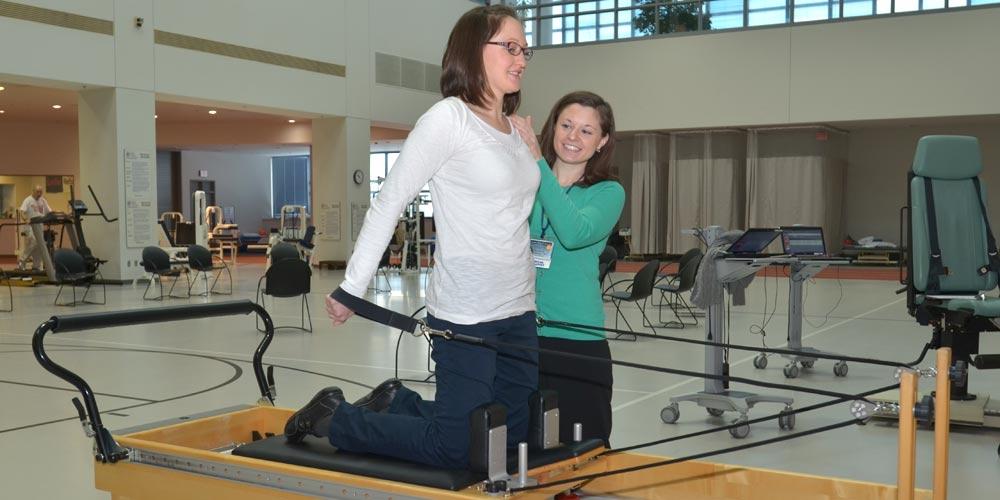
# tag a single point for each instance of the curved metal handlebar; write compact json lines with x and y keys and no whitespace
{"x":107,"y":449}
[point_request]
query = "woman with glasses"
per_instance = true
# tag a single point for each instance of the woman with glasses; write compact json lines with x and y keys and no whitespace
{"x":483,"y":180}
{"x":577,"y":206}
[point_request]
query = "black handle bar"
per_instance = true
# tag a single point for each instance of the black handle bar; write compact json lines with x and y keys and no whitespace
{"x":107,"y":449}
{"x":99,"y":207}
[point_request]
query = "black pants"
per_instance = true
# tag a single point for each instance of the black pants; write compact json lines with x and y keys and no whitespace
{"x":467,"y":376}
{"x":584,"y":386}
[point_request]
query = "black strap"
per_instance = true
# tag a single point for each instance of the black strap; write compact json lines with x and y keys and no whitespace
{"x":936,"y":268}
{"x":375,"y":313}
{"x":991,"y":242}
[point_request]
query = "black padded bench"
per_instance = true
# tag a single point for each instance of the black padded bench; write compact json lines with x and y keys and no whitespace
{"x":318,"y":453}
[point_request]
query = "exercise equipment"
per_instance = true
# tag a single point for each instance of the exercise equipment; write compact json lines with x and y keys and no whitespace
{"x":200,"y":228}
{"x":951,"y":262}
{"x":72,"y":228}
{"x":205,"y":456}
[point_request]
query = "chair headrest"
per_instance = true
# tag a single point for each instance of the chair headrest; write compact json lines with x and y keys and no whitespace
{"x":948,"y":157}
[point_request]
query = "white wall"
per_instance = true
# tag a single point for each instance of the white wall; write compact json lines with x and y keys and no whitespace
{"x":934,"y":64}
{"x":305,"y":28}
{"x":313,"y":29}
{"x":395,"y":31}
{"x":878,"y":161}
{"x":241,"y":180}
{"x":39,"y":52}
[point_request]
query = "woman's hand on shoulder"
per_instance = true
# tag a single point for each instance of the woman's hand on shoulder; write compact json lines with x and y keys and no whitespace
{"x":524,"y":129}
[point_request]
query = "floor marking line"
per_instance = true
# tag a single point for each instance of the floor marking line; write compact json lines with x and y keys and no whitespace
{"x":241,"y":356}
{"x":749,"y":358}
{"x":68,"y":389}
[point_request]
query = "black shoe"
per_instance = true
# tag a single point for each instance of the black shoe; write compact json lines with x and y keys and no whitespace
{"x":381,"y":396}
{"x":320,"y":408}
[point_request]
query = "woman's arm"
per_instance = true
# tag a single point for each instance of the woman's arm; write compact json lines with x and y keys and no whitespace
{"x":427,"y":148}
{"x":578,"y":226}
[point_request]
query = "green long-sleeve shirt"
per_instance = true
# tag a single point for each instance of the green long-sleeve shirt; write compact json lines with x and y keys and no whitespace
{"x":578,"y":222}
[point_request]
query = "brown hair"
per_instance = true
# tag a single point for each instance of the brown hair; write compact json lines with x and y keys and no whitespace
{"x":462,"y":72}
{"x":598,"y":166}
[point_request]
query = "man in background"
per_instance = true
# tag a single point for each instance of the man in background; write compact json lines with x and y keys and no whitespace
{"x":32,"y":206}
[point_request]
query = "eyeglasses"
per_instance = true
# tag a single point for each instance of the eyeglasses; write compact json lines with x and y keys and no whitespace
{"x":514,"y":49}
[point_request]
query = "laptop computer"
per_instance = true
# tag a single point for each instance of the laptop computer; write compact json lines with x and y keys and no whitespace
{"x":752,"y":243}
{"x":805,"y":243}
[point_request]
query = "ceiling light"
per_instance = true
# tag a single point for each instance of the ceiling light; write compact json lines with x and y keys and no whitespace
{"x":2,"y":111}
{"x":291,"y":121}
{"x":2,"y":88}
{"x":156,"y":116}
{"x":56,"y":106}
{"x":212,"y":111}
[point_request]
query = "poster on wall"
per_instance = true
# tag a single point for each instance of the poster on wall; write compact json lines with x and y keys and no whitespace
{"x":53,"y":184}
{"x":358,"y":211}
{"x":328,"y":221}
{"x":140,"y":199}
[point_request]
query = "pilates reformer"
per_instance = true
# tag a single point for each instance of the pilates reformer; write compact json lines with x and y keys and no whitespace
{"x":239,"y":452}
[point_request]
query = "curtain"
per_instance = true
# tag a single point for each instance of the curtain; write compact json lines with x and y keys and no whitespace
{"x":649,"y":183}
{"x":705,"y":185}
{"x":796,"y":177}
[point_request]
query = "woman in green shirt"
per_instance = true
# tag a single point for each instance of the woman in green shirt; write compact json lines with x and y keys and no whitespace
{"x":577,"y":205}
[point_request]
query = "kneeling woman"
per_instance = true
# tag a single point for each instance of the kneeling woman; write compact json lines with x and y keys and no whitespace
{"x":577,"y":205}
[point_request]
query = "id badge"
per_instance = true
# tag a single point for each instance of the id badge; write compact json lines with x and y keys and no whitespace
{"x":541,"y":253}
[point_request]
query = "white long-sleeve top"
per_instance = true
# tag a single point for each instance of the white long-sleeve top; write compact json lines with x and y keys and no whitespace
{"x":483,"y":184}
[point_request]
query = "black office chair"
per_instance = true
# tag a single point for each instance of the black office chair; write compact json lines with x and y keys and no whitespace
{"x":286,"y":278}
{"x":283,"y":250}
{"x":156,"y":262}
{"x":685,"y":258}
{"x":202,"y":263}
{"x":682,"y":282}
{"x":10,"y":291}
{"x":72,"y":269}
{"x":638,"y":292}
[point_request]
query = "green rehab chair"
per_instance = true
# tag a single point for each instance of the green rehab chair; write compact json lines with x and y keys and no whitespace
{"x":951,"y":254}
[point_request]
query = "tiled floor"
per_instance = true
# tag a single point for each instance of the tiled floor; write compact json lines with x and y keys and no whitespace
{"x":147,"y":373}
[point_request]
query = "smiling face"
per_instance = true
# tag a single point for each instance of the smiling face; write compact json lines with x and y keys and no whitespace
{"x":577,"y":134}
{"x":503,"y":70}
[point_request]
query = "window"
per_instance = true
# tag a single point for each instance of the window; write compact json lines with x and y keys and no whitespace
{"x":560,"y":22}
{"x":290,"y":182}
{"x":379,"y":166}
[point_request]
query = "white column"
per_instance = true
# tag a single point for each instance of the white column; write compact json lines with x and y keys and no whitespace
{"x":111,"y":121}
{"x":340,"y":147}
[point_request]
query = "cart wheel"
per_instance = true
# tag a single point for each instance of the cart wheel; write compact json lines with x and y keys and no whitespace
{"x":670,"y":414}
{"x":760,"y":362}
{"x":791,"y":371}
{"x":786,"y":420}
{"x":741,"y":431}
{"x":840,"y":369}
{"x":715,"y":412}
{"x":808,"y":364}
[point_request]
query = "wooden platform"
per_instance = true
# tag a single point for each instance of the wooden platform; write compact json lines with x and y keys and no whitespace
{"x":190,"y":460}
